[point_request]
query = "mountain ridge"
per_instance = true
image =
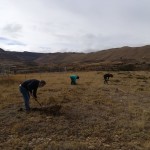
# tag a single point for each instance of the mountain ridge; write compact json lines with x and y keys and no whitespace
{"x":124,"y":54}
{"x":103,"y":55}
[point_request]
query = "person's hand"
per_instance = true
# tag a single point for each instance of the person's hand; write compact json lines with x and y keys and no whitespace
{"x":31,"y":95}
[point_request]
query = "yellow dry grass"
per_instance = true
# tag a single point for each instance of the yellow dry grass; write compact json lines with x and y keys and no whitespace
{"x":92,"y":115}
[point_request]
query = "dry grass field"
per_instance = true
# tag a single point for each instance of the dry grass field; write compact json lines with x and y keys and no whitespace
{"x":93,"y":116}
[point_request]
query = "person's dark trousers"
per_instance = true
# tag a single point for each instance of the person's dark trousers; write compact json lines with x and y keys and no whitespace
{"x":73,"y":82}
{"x":105,"y":81}
{"x":26,"y":97}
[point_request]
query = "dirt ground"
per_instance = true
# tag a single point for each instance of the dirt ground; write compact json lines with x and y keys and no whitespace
{"x":90,"y":115}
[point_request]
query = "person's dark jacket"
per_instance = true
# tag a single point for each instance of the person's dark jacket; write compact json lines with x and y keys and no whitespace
{"x":107,"y":76}
{"x":31,"y":86}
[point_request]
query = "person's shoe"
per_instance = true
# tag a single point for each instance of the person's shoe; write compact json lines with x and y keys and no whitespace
{"x":20,"y":109}
{"x":28,"y":110}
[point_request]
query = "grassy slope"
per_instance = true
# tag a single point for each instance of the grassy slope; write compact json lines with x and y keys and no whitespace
{"x":93,"y":115}
{"x":114,"y":54}
{"x":140,"y":54}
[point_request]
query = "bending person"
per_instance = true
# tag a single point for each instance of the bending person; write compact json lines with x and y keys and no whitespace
{"x":29,"y":88}
{"x":106,"y":77}
{"x":73,"y":79}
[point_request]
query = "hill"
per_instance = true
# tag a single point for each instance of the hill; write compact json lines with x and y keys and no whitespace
{"x":116,"y":56}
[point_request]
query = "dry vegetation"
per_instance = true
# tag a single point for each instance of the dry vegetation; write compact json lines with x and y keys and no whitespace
{"x":93,"y":116}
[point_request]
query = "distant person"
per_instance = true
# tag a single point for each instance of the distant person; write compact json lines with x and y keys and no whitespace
{"x":106,"y":77}
{"x":73,"y":79}
{"x":29,"y":88}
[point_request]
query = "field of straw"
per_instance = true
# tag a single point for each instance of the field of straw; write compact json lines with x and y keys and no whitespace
{"x":88,"y":116}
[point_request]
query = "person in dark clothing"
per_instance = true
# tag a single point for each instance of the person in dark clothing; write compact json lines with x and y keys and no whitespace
{"x":29,"y":88}
{"x":106,"y":77}
{"x":73,"y":79}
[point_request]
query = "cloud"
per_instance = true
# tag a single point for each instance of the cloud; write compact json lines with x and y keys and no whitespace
{"x":79,"y":25}
{"x":7,"y":41}
{"x":13,"y":30}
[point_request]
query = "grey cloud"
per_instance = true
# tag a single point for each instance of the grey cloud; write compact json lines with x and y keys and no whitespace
{"x":7,"y":41}
{"x":93,"y":42}
{"x":77,"y":25}
{"x":12,"y":29}
{"x":45,"y":49}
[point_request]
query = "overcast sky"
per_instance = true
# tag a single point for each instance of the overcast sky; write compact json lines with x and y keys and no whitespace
{"x":73,"y":25}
